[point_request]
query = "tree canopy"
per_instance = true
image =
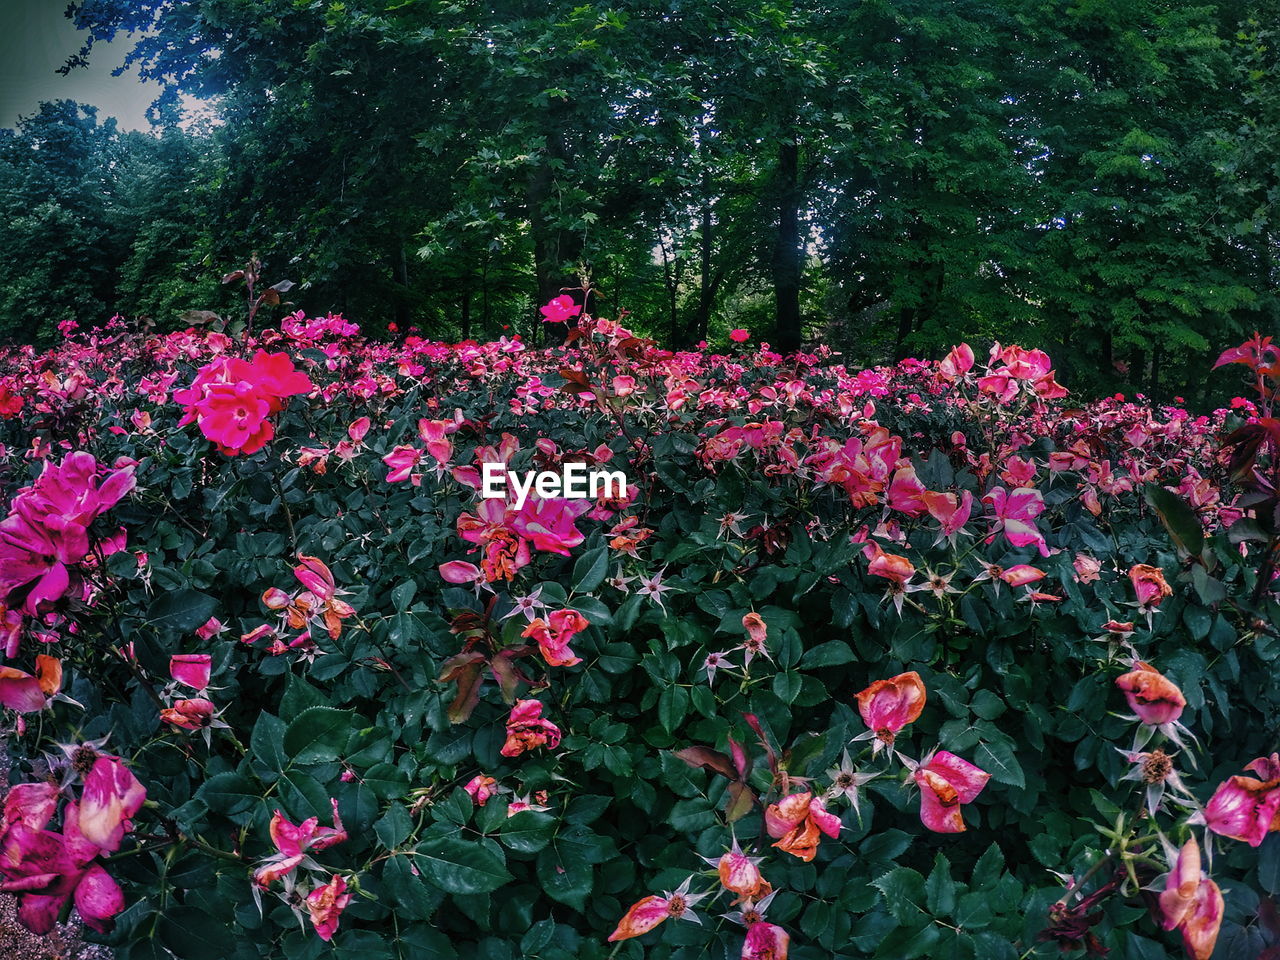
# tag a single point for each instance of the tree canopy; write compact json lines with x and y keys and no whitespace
{"x":887,"y":176}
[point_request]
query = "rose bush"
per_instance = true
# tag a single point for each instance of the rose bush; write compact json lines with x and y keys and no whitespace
{"x":927,"y":660}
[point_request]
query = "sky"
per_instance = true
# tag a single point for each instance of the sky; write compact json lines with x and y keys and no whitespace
{"x":36,"y":39}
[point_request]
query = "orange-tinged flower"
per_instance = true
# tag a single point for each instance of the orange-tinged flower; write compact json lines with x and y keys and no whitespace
{"x":797,"y":822}
{"x":757,"y":631}
{"x":1178,"y":899}
{"x":740,"y":873}
{"x":890,"y":566}
{"x":325,"y":904}
{"x":526,"y":729}
{"x":1152,"y":696}
{"x":887,"y":706}
{"x":946,"y":781}
{"x":647,"y":913}
{"x":26,"y":692}
{"x":554,"y":635}
{"x":1200,"y":929}
{"x":193,"y":714}
{"x":1193,"y":903}
{"x":1149,"y":585}
{"x":643,"y":916}
{"x":481,"y":787}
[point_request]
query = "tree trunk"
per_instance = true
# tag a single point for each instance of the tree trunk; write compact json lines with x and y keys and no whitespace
{"x":554,"y":250}
{"x":466,"y":314}
{"x":707,"y":287}
{"x":403,"y":314}
{"x":670,"y":283}
{"x":788,"y":255}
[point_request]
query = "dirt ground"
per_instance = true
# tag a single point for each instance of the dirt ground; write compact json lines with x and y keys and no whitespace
{"x":17,"y":944}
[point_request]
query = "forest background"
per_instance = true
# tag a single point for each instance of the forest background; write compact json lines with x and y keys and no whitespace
{"x":886,"y":177}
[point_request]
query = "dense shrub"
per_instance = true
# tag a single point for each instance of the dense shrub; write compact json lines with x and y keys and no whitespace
{"x":920,"y":661}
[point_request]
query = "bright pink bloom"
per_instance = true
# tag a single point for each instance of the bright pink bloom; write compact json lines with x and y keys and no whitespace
{"x":946,"y":781}
{"x":111,"y":796}
{"x":295,"y":842}
{"x":325,"y":904}
{"x":232,"y":399}
{"x":459,"y":571}
{"x":403,"y":461}
{"x":907,"y":493}
{"x":1244,"y":808}
{"x":956,"y":363}
{"x":307,"y":836}
{"x":560,"y":310}
{"x":548,"y":524}
{"x":435,"y":434}
{"x":47,"y":531}
{"x":624,"y":386}
{"x":191,"y":669}
{"x":212,"y":627}
{"x":358,"y":429}
{"x":45,"y":869}
{"x":738,"y":335}
{"x":526,"y":729}
{"x":1149,"y":585}
{"x":1015,"y":514}
{"x":951,"y":512}
{"x":766,"y":941}
{"x":481,"y":788}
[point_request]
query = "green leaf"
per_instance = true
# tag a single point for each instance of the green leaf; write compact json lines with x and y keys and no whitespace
{"x":786,"y":685}
{"x":987,"y":705}
{"x":181,"y":611}
{"x":988,"y":869}
{"x":193,"y":934}
{"x":317,"y":734}
{"x":527,"y":831}
{"x":229,"y":794}
{"x":998,"y":760}
{"x":903,"y":890}
{"x":267,"y":741}
{"x":564,"y":878}
{"x":1178,"y":517}
{"x":394,"y":827}
{"x":462,"y":866}
{"x":387,"y":781}
{"x":590,"y":569}
{"x":402,"y":595}
{"x":673,"y":706}
{"x":833,"y":653}
{"x":1269,"y":864}
{"x":940,"y":889}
